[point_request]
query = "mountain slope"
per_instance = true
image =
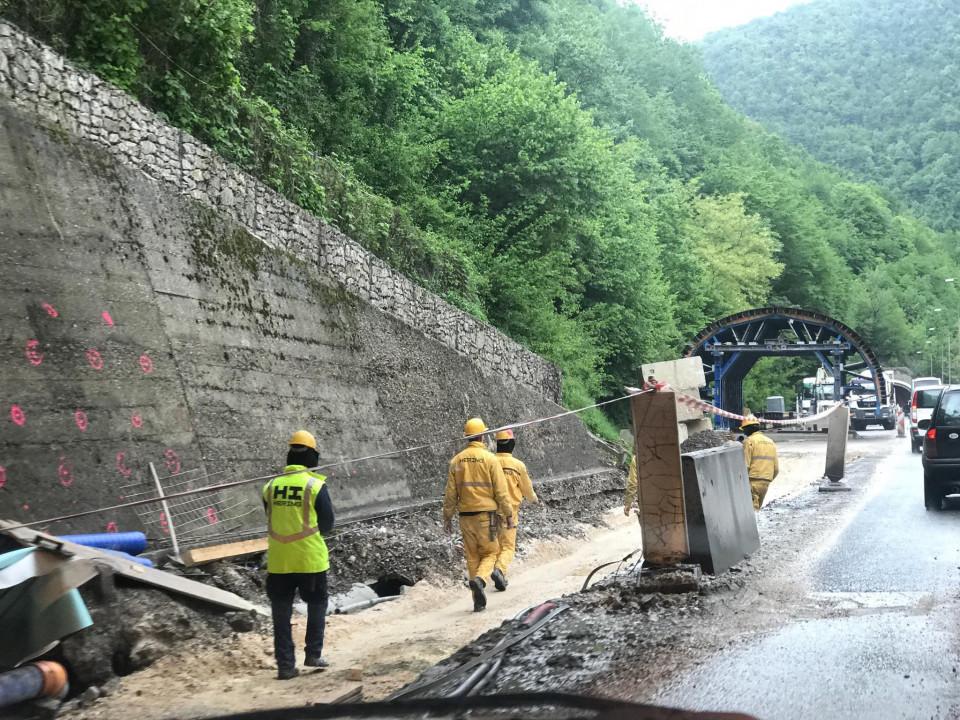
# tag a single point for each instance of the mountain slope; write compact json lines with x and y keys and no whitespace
{"x":868,"y":85}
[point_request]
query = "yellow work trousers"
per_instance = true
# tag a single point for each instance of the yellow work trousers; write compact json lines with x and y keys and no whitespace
{"x":758,"y":488}
{"x":479,"y":548}
{"x":508,"y":544}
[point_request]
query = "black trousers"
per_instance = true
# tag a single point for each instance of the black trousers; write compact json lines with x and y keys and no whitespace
{"x":281,"y":588}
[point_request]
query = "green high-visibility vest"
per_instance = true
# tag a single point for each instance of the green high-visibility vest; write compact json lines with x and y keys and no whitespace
{"x":295,"y":544}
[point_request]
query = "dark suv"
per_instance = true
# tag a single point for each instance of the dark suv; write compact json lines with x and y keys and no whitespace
{"x":941,"y":449}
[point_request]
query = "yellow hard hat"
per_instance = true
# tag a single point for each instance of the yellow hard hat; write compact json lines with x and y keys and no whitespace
{"x":474,"y":426}
{"x":504,"y":434}
{"x":748,"y":421}
{"x":302,"y":437}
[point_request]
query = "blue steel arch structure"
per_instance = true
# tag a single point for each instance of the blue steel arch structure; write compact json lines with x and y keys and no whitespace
{"x":731,"y":346}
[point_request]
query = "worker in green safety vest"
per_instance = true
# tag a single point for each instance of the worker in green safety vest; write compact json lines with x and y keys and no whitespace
{"x":299,"y":514}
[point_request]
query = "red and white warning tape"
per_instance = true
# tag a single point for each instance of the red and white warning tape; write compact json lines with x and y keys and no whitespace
{"x":713,"y":409}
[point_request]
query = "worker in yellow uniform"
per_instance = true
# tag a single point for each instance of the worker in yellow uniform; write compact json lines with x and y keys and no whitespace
{"x":630,"y":496}
{"x":760,"y":455}
{"x":477,"y":490}
{"x":518,"y":488}
{"x":299,"y":514}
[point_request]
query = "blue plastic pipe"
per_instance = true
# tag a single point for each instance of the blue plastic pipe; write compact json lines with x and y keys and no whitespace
{"x":128,"y":542}
{"x":146,"y":562}
{"x":38,"y":679}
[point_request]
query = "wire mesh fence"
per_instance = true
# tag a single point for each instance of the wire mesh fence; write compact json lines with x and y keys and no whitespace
{"x":192,"y":519}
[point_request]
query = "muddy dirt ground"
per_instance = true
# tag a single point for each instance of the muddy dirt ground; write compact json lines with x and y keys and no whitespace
{"x":608,"y":628}
{"x":618,"y":640}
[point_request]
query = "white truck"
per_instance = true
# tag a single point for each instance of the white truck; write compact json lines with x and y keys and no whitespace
{"x":865,"y":406}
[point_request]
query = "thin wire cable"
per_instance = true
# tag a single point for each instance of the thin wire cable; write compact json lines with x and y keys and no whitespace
{"x":156,"y":47}
{"x":375,"y":456}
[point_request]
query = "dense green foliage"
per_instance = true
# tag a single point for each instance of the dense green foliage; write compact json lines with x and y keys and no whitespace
{"x":869,"y":85}
{"x":555,"y":167}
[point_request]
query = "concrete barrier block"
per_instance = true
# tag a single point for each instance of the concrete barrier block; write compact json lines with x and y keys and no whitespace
{"x":660,"y":482}
{"x":683,"y":374}
{"x":721,"y":523}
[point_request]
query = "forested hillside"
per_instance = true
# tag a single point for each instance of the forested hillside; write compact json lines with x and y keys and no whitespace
{"x":555,"y":167}
{"x":869,"y":85}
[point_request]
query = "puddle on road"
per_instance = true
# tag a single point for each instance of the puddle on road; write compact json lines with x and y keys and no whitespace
{"x":873,"y":600}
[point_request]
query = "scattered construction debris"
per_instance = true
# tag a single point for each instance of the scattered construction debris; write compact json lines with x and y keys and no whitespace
{"x":121,"y":566}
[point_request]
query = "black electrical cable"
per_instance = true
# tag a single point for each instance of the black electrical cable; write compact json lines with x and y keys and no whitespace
{"x":504,"y":644}
{"x":607,"y":564}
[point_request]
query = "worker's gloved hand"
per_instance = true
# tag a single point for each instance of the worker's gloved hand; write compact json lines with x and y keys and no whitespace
{"x":510,"y":523}
{"x":626,"y":510}
{"x":448,"y":527}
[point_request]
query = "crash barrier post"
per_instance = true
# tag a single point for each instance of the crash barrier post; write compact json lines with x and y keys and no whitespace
{"x":659,"y":478}
{"x":837,"y":431}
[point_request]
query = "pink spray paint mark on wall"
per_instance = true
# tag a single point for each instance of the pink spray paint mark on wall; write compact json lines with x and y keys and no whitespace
{"x":164,"y":524}
{"x":34,"y":353}
{"x":212,"y":516}
{"x":136,"y":421}
{"x":50,"y":309}
{"x":171,"y":460}
{"x":106,"y":318}
{"x":17,"y":415}
{"x":3,"y":477}
{"x":80,"y":418}
{"x":65,"y":472}
{"x":94,"y":359}
{"x":122,"y":464}
{"x":146,"y":364}
{"x":112,"y":527}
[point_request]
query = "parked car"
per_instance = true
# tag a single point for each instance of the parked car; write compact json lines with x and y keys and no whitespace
{"x":941,"y":449}
{"x":922,"y":403}
{"x":922,"y":382}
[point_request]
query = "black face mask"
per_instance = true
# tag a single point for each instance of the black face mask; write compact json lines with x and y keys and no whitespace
{"x":748,"y":431}
{"x":506,"y":446}
{"x":302,"y":455}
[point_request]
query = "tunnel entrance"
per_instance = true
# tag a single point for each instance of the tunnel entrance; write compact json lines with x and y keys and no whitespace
{"x":730,"y":347}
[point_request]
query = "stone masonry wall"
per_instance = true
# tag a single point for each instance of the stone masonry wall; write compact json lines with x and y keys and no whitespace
{"x":43,"y":83}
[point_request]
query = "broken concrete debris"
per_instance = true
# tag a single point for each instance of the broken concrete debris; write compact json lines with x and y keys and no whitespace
{"x":126,"y":568}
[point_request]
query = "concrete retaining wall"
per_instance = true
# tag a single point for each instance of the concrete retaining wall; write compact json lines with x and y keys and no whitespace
{"x":43,"y":83}
{"x":143,"y":324}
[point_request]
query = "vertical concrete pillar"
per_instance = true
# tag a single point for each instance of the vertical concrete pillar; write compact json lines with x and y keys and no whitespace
{"x":660,"y":478}
{"x":837,"y":430}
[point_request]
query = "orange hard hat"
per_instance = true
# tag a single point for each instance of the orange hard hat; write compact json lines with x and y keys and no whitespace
{"x":302,"y":437}
{"x":506,"y":434}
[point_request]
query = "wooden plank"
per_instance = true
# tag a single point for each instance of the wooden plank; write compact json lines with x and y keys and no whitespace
{"x":199,"y":556}
{"x":126,"y":568}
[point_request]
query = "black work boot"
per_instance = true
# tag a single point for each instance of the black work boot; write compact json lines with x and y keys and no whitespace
{"x":287,"y":673}
{"x":499,"y":580}
{"x":479,"y":598}
{"x":316,"y":661}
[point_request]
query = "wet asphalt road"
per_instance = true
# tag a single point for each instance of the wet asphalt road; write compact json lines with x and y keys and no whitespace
{"x":886,"y":585}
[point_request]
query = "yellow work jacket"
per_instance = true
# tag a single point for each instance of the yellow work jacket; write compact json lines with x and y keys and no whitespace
{"x":630,"y":496}
{"x":760,"y":455}
{"x":475,"y":483}
{"x":295,"y":544}
{"x":518,"y":480}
